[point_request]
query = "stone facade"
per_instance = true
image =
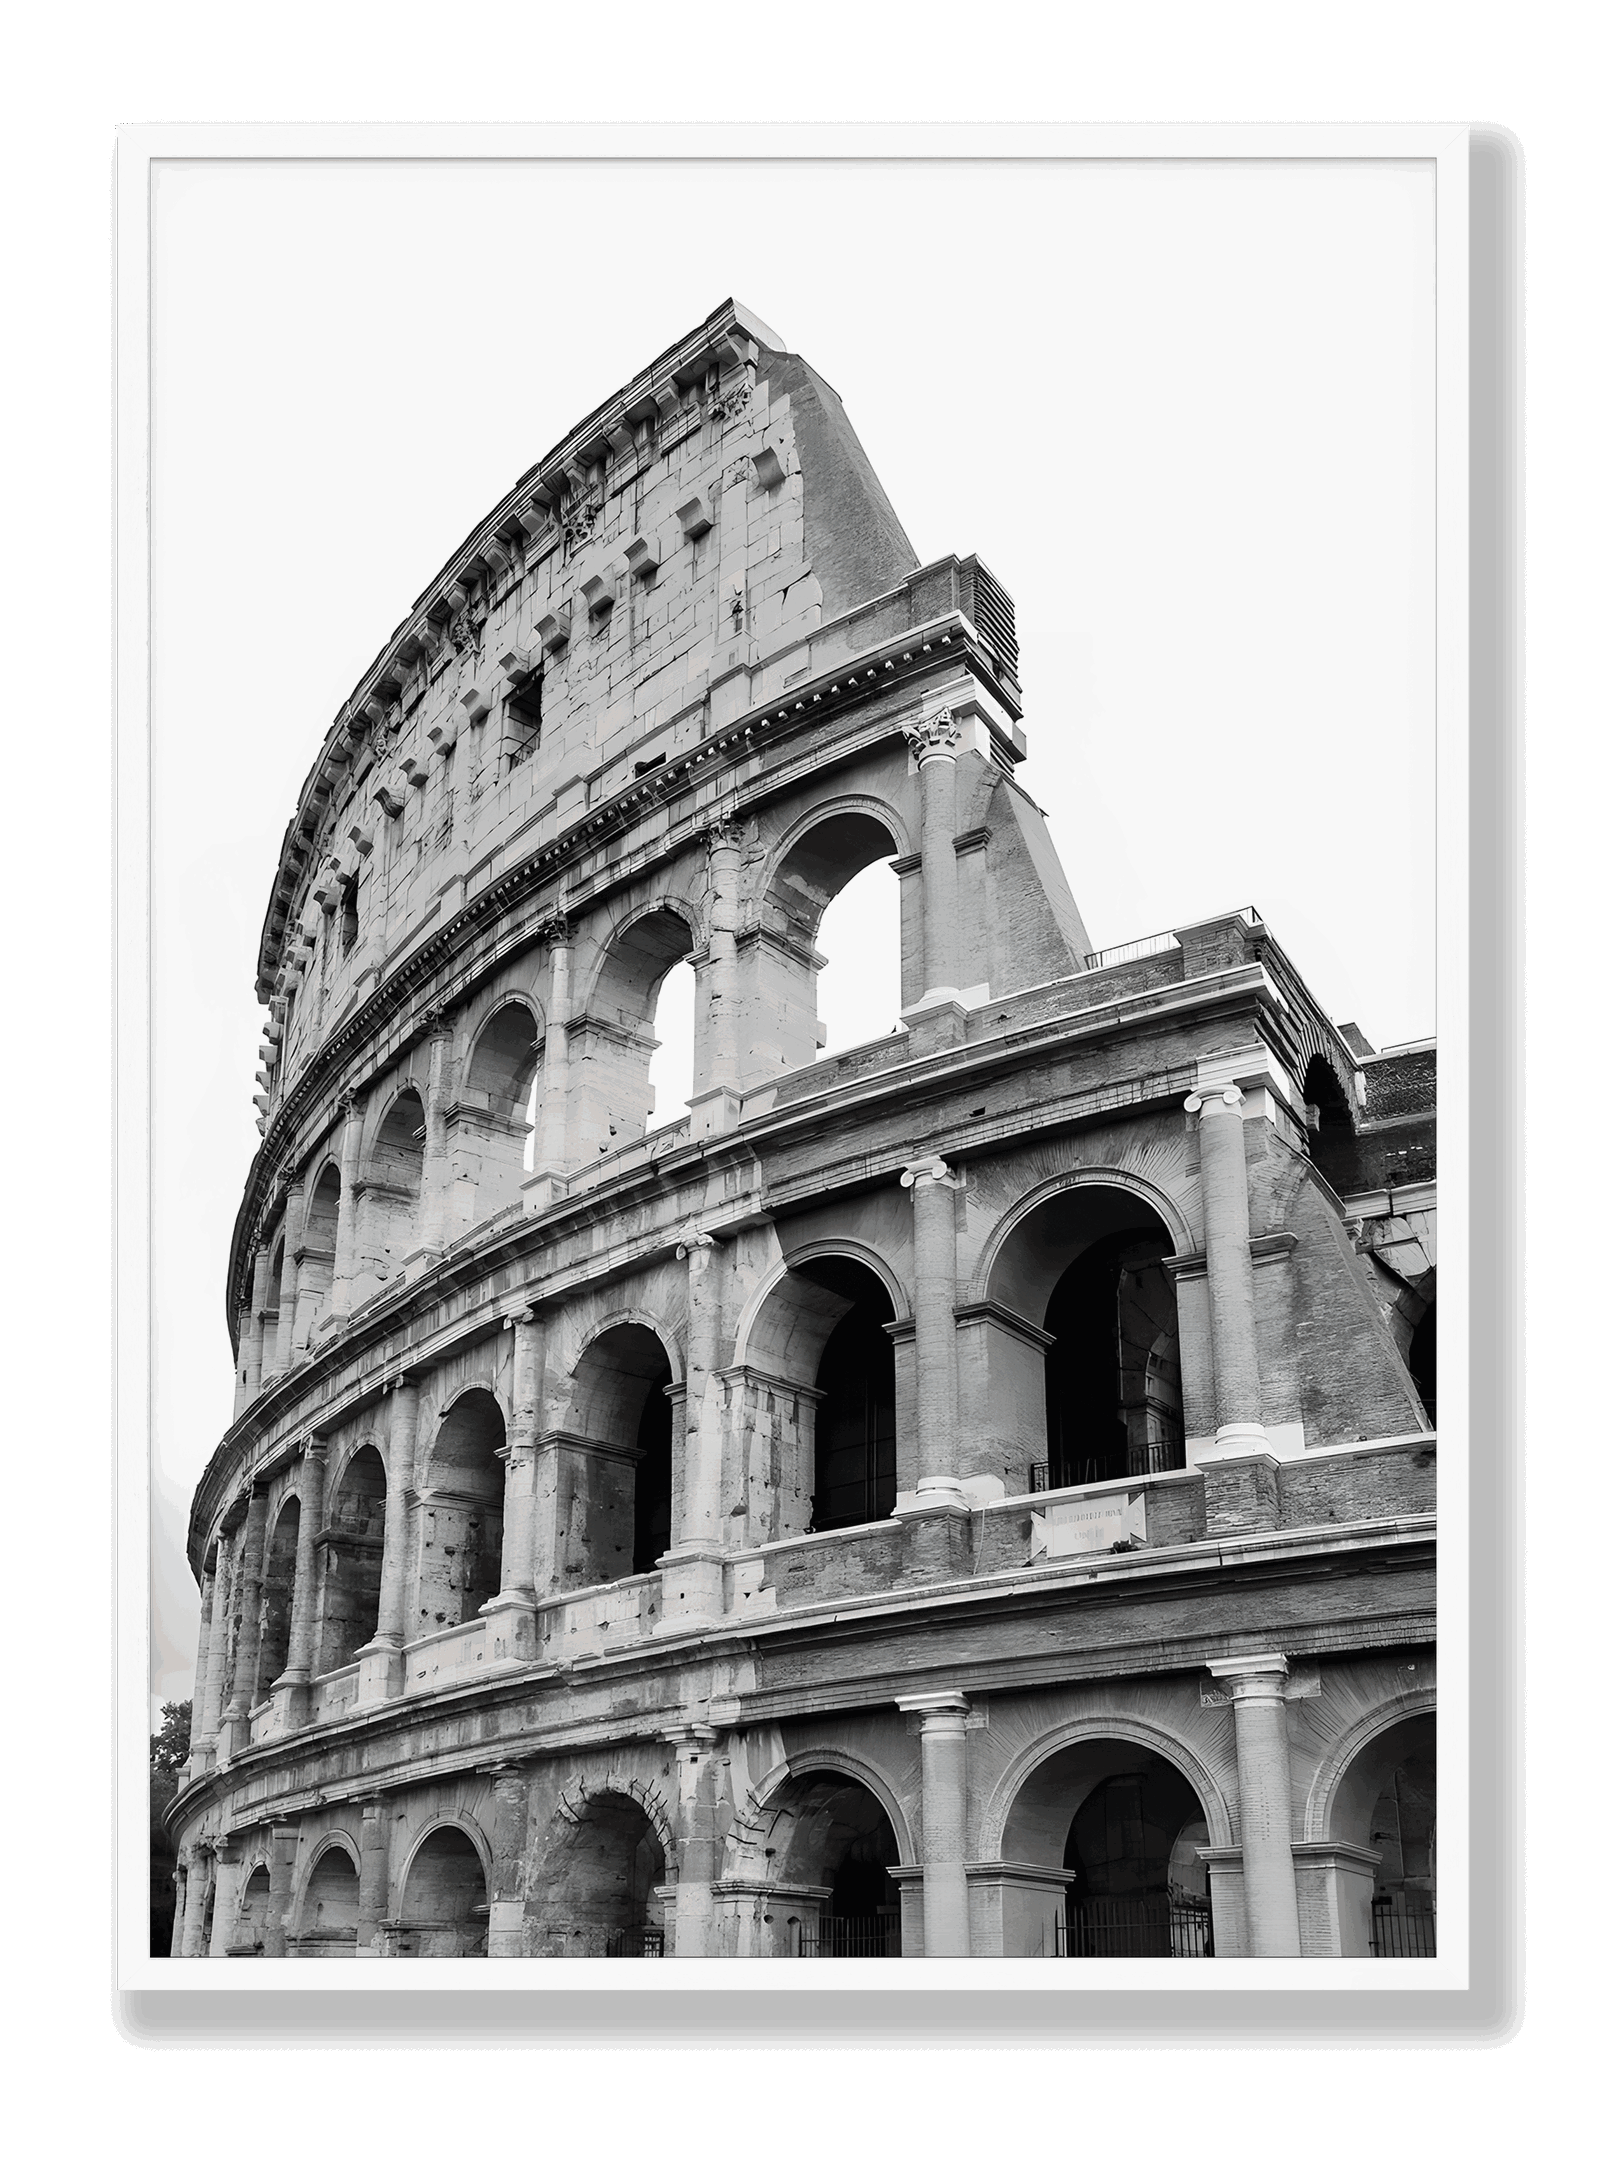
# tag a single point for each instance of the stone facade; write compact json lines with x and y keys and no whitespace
{"x":970,"y":1495}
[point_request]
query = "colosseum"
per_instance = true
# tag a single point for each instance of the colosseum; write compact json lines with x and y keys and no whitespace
{"x":967,"y":1495}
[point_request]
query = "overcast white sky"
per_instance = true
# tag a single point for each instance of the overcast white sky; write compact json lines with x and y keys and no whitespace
{"x":1184,"y":411}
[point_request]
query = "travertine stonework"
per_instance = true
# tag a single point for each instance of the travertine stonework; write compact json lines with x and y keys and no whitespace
{"x":970,"y":1495}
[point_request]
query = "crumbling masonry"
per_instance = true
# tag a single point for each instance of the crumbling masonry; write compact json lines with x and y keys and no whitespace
{"x":970,"y":1495}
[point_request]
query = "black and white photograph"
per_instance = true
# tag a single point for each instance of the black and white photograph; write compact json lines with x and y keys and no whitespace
{"x":797,"y":1064}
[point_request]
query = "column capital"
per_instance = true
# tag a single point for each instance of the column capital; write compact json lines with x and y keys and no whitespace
{"x":1214,"y":1097}
{"x":922,"y":1173}
{"x":925,"y":1705}
{"x":554,"y":931}
{"x":934,"y":737}
{"x":695,"y":1238}
{"x":689,"y":1738}
{"x":720,"y":833}
{"x":1253,"y":1678}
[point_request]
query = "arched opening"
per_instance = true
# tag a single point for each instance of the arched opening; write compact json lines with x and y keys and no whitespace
{"x":611,"y":1045}
{"x":389,"y":1192}
{"x":1125,"y":1827}
{"x":491,"y":1133}
{"x":270,"y":1313}
{"x":318,"y":1241}
{"x":277,"y":1595}
{"x":616,"y":1480}
{"x":329,"y":1908}
{"x":444,"y":1910}
{"x":1387,"y":1803}
{"x":599,"y":1888}
{"x":462,"y":1512}
{"x":1331,"y":1125}
{"x":864,"y":985}
{"x":249,"y":1937}
{"x":859,"y":994}
{"x":352,"y":1546}
{"x":671,"y":1077}
{"x":1104,"y":1394}
{"x":855,"y":1476}
{"x":816,"y":1401}
{"x":832,"y":1834}
{"x":1422,"y":1360}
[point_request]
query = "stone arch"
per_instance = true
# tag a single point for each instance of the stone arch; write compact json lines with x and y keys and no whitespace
{"x":352,"y":1551}
{"x":1136,"y":1732}
{"x":490,"y":1128}
{"x":611,"y":1036}
{"x":817,"y":1395}
{"x":766,"y":1798}
{"x":619,"y":1467}
{"x":247,"y":1937}
{"x":600,"y":1882}
{"x":461,"y":1509}
{"x":277,"y":1590}
{"x":837,"y":1836}
{"x":804,"y":870}
{"x":318,"y":1243}
{"x":1108,"y":1177}
{"x":443,"y":1909}
{"x":1330,"y":1124}
{"x":1071,"y":1349}
{"x":1335,"y":1765}
{"x":324,"y":1913}
{"x":390,"y":1190}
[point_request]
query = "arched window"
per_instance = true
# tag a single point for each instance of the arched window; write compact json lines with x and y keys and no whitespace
{"x":444,"y":1911}
{"x":492,"y":1139}
{"x":1332,"y":1126}
{"x":859,"y":994}
{"x":783,"y":1029}
{"x":1387,"y":1802}
{"x":390,"y":1193}
{"x":277,"y":1596}
{"x":352,"y":1549}
{"x":832,"y":1835}
{"x":330,"y":1908}
{"x":317,"y":1246}
{"x":611,"y":1045}
{"x":1422,"y":1360}
{"x":855,"y":1448}
{"x":619,"y":1497}
{"x":462,"y":1513}
{"x":672,"y":1063}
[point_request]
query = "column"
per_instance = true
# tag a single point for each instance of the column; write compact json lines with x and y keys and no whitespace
{"x":194,"y":1908}
{"x":1261,"y":1740}
{"x":372,"y":1900}
{"x":383,"y":1670}
{"x":933,"y":1239}
{"x":437,"y":1179}
{"x":282,"y":1839}
{"x":936,"y":743}
{"x":1230,"y":1291}
{"x":229,"y":1859}
{"x":211,"y":1631}
{"x":511,"y":1616}
{"x":208,"y":1696}
{"x":245,"y":1637}
{"x":345,"y":1261}
{"x":255,"y":1328}
{"x":302,"y":1616}
{"x":716,"y":1102}
{"x":692,"y":1570}
{"x":508,"y":1860}
{"x":944,"y":1822}
{"x":697,"y":1838}
{"x":294,"y":1235}
{"x":548,"y":1179}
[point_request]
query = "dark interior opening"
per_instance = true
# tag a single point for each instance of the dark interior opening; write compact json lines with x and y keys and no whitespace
{"x":855,"y":1443}
{"x":1113,"y":1393}
{"x":1422,"y":1358}
{"x":652,"y":1481}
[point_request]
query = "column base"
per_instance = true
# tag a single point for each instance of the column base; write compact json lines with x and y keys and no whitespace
{"x":937,"y":1520}
{"x":383,"y":1672}
{"x":291,"y":1700}
{"x":712,"y":1113}
{"x":542,"y":1190}
{"x":1232,"y":1440}
{"x":511,"y":1628}
{"x":691,"y":1587}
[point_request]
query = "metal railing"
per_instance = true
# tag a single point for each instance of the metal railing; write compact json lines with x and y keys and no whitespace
{"x":875,"y":1937}
{"x":637,"y":1942}
{"x":1402,"y":1931}
{"x":1135,"y":1927}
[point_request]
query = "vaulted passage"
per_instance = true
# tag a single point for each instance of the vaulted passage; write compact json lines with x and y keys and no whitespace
{"x":855,"y":1449}
{"x":1388,"y":1804}
{"x":833,"y":1834}
{"x":462,"y":1510}
{"x":277,"y":1596}
{"x":1123,"y":1826}
{"x":444,"y":1910}
{"x":1086,"y":1266}
{"x":599,"y":1889}
{"x":328,"y":1909}
{"x":616,"y":1463}
{"x":352,"y":1548}
{"x":249,"y":1937}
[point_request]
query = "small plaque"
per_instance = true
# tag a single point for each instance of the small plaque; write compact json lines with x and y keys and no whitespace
{"x":1071,"y":1529}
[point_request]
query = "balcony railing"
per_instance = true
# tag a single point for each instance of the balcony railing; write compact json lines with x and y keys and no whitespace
{"x":877,"y":1936}
{"x":637,"y":1942}
{"x":1135,"y":1927}
{"x":1402,"y":1930}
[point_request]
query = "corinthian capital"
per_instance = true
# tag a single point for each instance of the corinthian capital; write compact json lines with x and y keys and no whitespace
{"x":935,"y":737}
